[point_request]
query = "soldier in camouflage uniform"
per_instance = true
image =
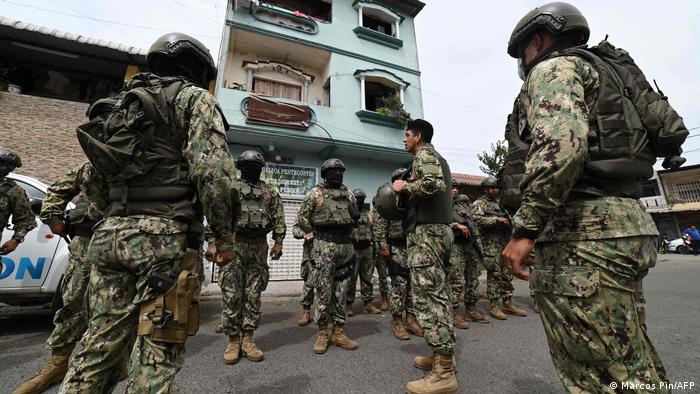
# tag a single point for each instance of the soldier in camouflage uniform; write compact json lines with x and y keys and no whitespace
{"x":246,"y":278}
{"x":594,"y":242}
{"x":13,"y":202}
{"x":364,"y":257}
{"x":429,"y":241}
{"x":307,"y":291}
{"x":473,"y":255}
{"x":382,"y":271}
{"x":329,"y":212}
{"x":144,"y":238}
{"x":390,"y":238}
{"x":495,"y":228}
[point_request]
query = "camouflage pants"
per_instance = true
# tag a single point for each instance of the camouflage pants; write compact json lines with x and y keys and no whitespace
{"x":364,"y":268}
{"x":383,"y":275}
{"x":428,"y":252}
{"x":499,"y":279}
{"x":593,"y":316}
{"x":400,"y":282}
{"x":455,"y":278}
{"x":332,"y":268}
{"x":307,"y":291}
{"x":472,"y":271}
{"x":70,"y":321}
{"x":125,"y":251}
{"x":242,"y":281}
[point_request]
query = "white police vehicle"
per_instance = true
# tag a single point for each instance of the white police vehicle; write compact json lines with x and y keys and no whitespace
{"x":31,"y":274}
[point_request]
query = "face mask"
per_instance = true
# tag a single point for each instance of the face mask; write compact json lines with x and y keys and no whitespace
{"x":521,"y":64}
{"x":334,"y":177}
{"x":251,"y":172}
{"x":5,"y":169}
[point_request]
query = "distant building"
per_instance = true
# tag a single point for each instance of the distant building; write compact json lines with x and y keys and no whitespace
{"x":47,"y":80}
{"x":672,"y":197}
{"x":469,"y":184}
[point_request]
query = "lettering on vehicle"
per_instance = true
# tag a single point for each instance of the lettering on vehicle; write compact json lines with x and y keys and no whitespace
{"x":25,"y":267}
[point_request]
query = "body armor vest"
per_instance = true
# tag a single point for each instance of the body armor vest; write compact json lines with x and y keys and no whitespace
{"x":334,"y":210}
{"x":437,"y":209}
{"x":395,"y":230}
{"x":629,"y":126}
{"x":85,"y":215}
{"x":362,"y":232}
{"x":138,"y":150}
{"x":255,"y":216}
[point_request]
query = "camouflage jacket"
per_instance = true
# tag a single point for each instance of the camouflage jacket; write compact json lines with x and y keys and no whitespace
{"x":555,"y":100}
{"x":82,"y":181}
{"x":426,"y":175}
{"x":465,"y":210}
{"x":494,"y":235}
{"x":362,"y":230}
{"x":210,"y":164}
{"x":314,"y":200}
{"x":14,"y":202}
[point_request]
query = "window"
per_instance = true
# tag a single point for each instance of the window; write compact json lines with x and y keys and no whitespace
{"x":275,"y":79}
{"x":318,"y":10}
{"x":374,"y":93}
{"x":276,"y":89}
{"x":32,"y":192}
{"x":378,"y":25}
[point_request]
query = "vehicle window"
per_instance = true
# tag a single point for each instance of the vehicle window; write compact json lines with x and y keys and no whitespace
{"x":32,"y":192}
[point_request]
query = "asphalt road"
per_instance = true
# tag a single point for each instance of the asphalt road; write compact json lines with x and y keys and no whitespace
{"x":502,"y":357}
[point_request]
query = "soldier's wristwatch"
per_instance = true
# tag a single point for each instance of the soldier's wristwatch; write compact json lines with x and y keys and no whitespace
{"x":522,"y":232}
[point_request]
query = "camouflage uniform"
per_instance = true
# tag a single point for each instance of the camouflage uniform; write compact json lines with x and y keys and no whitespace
{"x":592,"y":253}
{"x":381,"y":265}
{"x":71,"y":320}
{"x":400,"y":276}
{"x":244,"y":279}
{"x":332,"y":254}
{"x":126,"y":250}
{"x":307,"y":292}
{"x":14,"y":202}
{"x":458,"y":258}
{"x":494,"y":236}
{"x":364,"y":257}
{"x":429,"y":248}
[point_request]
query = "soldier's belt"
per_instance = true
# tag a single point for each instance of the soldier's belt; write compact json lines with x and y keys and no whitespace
{"x":397,"y":241}
{"x":251,"y":239}
{"x":335,"y":238}
{"x":362,"y":245}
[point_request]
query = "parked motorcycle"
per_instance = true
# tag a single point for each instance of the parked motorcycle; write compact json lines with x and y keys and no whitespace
{"x":662,"y":246}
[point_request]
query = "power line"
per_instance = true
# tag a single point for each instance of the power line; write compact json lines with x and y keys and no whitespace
{"x":196,"y":11}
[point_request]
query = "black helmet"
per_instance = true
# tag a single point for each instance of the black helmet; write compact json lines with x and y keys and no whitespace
{"x":490,"y":181}
{"x":251,"y":155}
{"x":102,"y":107}
{"x":332,"y":163}
{"x":398,"y":173}
{"x":359,"y":194}
{"x":11,"y":157}
{"x":556,"y":18}
{"x":184,"y":50}
{"x":386,"y":202}
{"x":455,"y":183}
{"x":463,"y":198}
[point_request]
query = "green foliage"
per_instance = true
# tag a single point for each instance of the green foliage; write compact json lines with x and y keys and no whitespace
{"x":493,"y":162}
{"x":392,"y":107}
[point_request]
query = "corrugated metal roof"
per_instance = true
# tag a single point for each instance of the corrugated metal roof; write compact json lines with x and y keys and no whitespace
{"x":70,"y":36}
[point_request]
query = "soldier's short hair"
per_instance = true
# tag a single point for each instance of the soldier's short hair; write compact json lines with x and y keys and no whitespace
{"x":423,"y":127}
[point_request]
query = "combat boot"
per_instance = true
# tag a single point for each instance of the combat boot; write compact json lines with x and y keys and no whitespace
{"x":305,"y":317}
{"x":250,"y":350}
{"x":535,"y":308}
{"x":399,"y":331}
{"x":370,"y":308}
{"x":441,"y":379}
{"x":338,"y":338}
{"x":348,"y":310}
{"x":412,"y":325}
{"x":233,"y":350}
{"x":458,"y":321}
{"x":511,"y":309}
{"x":483,"y":295}
{"x":321,"y":344}
{"x":385,"y":302}
{"x":475,"y":315}
{"x":496,"y":311}
{"x":219,"y":329}
{"x":461,"y":296}
{"x":423,"y":362}
{"x":53,"y":372}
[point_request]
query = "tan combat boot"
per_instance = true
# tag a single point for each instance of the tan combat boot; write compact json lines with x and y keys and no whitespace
{"x":511,"y":309}
{"x":219,"y":329}
{"x":535,"y":308}
{"x":475,"y":315}
{"x":348,"y":310}
{"x":441,"y":379}
{"x":53,"y":372}
{"x":233,"y":350}
{"x":385,"y":302}
{"x":250,"y":350}
{"x":305,"y":317}
{"x":483,"y":295}
{"x":338,"y":338}
{"x":412,"y":326}
{"x":458,"y":321}
{"x":321,"y":344}
{"x":399,"y":331}
{"x":496,"y":312}
{"x":461,"y":296}
{"x":423,"y":362}
{"x":370,"y":308}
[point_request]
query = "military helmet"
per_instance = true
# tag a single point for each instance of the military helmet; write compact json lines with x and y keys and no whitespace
{"x":386,"y":201}
{"x":332,"y":163}
{"x":398,"y":173}
{"x":359,"y":194}
{"x":557,"y":18}
{"x":490,"y":181}
{"x":102,"y":106}
{"x":176,"y":45}
{"x":11,"y":157}
{"x":463,"y":198}
{"x":251,"y":155}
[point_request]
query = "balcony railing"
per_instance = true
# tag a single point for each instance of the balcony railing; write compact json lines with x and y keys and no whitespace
{"x":683,"y":190}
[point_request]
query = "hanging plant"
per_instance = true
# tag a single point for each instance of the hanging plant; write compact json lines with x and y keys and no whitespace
{"x":392,"y":107}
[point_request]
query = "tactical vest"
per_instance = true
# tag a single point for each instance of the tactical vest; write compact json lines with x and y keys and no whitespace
{"x":362,"y":232}
{"x":629,"y":126}
{"x":437,"y":209}
{"x":255,"y":216}
{"x":85,"y":215}
{"x":334,"y":210}
{"x":138,"y":150}
{"x":395,"y":230}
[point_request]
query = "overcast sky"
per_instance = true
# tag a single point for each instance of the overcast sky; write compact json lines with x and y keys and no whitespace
{"x":469,"y":82}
